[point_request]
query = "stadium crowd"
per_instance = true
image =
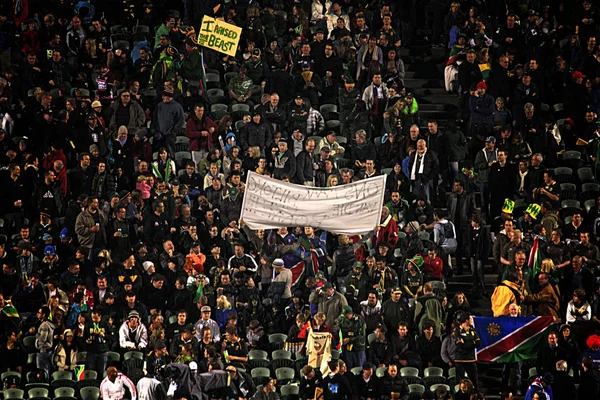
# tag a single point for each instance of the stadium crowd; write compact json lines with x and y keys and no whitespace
{"x":125,"y":149}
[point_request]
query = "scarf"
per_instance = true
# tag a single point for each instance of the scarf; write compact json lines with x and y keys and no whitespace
{"x":522,"y":176}
{"x":413,"y":169}
{"x":374,"y":56}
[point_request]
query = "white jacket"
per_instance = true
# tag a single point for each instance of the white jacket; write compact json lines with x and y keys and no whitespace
{"x":140,"y":337}
{"x":316,"y":10}
{"x":116,"y":390}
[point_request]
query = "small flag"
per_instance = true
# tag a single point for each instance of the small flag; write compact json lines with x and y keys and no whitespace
{"x":203,"y":87}
{"x":199,"y":292}
{"x":535,"y":256}
{"x":10,"y":311}
{"x":79,"y":372}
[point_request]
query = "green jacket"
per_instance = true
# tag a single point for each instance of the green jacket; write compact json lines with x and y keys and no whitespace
{"x":353,"y":329}
{"x":162,"y":30}
{"x":191,"y":66}
{"x":429,"y":307}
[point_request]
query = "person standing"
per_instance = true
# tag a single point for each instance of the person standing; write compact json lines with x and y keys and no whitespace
{"x":352,"y":327}
{"x":461,"y":207}
{"x":484,"y":160}
{"x":168,"y":120}
{"x":44,"y":341}
{"x":90,"y":227}
{"x":467,"y":341}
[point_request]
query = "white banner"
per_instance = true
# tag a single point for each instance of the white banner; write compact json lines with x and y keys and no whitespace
{"x":351,"y":209}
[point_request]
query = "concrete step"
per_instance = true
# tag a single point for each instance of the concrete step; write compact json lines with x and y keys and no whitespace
{"x":424,"y":92}
{"x":437,"y":107}
{"x":424,"y":83}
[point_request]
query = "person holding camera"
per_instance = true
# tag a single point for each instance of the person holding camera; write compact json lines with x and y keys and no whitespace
{"x":467,"y":341}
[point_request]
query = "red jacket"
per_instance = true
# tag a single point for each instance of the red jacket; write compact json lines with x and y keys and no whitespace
{"x":193,"y":131}
{"x":433,"y":267}
{"x":54,"y":155}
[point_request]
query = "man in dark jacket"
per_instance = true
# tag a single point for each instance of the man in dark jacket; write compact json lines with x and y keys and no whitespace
{"x":424,"y":167}
{"x":285,"y":162}
{"x":368,"y":384}
{"x":394,"y":383}
{"x":336,"y":385}
{"x":469,"y":73}
{"x":549,"y":355}
{"x":305,"y":164}
{"x":310,"y":380}
{"x":466,"y":340}
{"x":156,"y":226}
{"x":589,"y":388}
{"x":256,"y":133}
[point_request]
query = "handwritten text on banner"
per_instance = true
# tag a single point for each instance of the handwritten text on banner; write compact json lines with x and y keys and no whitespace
{"x":352,"y":209}
{"x":218,"y":35}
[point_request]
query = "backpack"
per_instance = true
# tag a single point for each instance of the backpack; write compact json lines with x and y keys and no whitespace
{"x":448,"y":230}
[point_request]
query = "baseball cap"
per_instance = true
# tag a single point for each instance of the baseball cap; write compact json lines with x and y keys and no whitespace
{"x":205,"y":309}
{"x":347,"y":310}
{"x":490,"y":139}
{"x":327,"y":285}
{"x":96,"y":103}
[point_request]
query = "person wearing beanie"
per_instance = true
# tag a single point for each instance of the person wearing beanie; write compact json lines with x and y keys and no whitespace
{"x":123,"y":147}
{"x":482,"y":107}
{"x":133,"y":335}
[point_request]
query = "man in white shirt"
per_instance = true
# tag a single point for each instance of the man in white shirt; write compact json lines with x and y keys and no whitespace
{"x":113,"y":386}
{"x":206,"y":321}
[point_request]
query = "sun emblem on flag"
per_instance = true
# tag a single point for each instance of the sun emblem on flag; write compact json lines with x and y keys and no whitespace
{"x":494,"y":329}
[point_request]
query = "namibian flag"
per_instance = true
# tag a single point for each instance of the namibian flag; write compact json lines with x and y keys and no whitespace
{"x":508,"y":340}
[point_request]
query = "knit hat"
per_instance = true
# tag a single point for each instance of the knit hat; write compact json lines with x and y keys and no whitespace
{"x":533,"y":210}
{"x":508,"y":207}
{"x":64,"y":234}
{"x":49,"y":251}
{"x":94,"y":147}
{"x":278,"y":263}
{"x":133,"y":314}
{"x":147,"y":265}
{"x":482,"y":85}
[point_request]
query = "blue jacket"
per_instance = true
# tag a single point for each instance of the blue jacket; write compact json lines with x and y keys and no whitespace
{"x":535,"y":386}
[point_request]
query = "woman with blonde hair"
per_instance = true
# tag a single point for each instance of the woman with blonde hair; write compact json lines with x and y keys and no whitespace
{"x":332,"y":181}
{"x":224,"y":308}
{"x":550,"y":269}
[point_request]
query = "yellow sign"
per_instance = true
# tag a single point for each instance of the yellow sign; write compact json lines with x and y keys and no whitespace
{"x":218,"y":35}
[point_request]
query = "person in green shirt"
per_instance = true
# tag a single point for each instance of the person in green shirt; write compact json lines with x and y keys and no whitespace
{"x":240,"y":87}
{"x":352,"y":329}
